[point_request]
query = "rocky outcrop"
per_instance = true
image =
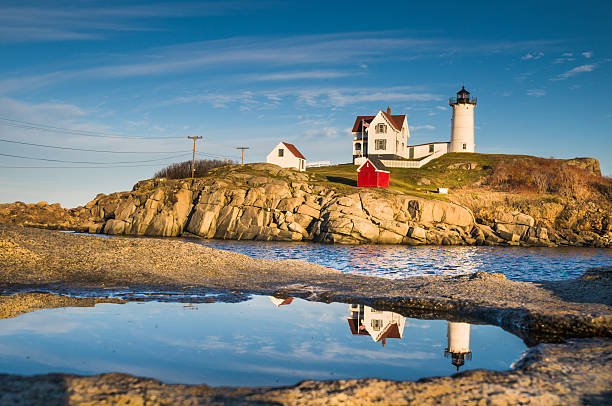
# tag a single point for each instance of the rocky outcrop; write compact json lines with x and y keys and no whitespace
{"x":266,"y":202}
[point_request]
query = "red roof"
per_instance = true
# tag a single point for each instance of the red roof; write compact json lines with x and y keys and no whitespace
{"x":293,"y":150}
{"x":357,"y":125}
{"x":355,"y":328}
{"x":396,"y":121}
{"x":392,"y":332}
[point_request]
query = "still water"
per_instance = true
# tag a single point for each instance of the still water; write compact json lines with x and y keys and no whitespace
{"x":262,"y":341}
{"x":399,"y":261}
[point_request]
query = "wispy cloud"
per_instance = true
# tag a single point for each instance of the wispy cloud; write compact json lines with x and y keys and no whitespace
{"x":427,"y":127}
{"x":318,"y":56}
{"x":327,"y":97}
{"x":285,"y":76}
{"x":536,"y":92}
{"x":532,"y":55}
{"x":92,"y":20}
{"x":565,"y":57}
{"x":588,"y":54}
{"x":575,"y":71}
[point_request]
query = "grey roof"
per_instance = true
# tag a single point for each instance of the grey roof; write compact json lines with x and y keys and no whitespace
{"x":378,"y":164}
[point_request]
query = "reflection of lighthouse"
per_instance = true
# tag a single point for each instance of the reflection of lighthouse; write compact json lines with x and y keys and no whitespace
{"x":377,"y":324}
{"x":458,"y":343}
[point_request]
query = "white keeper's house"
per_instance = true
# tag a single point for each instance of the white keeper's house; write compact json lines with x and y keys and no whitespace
{"x":385,"y":136}
{"x":287,"y":155}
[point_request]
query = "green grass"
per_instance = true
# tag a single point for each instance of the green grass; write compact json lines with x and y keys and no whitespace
{"x":437,"y":172}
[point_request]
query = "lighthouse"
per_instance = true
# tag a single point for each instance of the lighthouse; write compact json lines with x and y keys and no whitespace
{"x":462,"y":123}
{"x":458,"y":343}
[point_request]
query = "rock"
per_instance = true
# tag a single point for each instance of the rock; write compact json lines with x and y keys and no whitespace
{"x":95,"y":228}
{"x":379,"y":208}
{"x":366,"y":230}
{"x":289,"y":204}
{"x":463,"y":165}
{"x":389,"y":237}
{"x":308,"y":211}
{"x":423,"y":182}
{"x":487,"y":276}
{"x":42,"y":203}
{"x":517,"y":229}
{"x":162,"y":226}
{"x":509,"y":236}
{"x":158,"y":194}
{"x":489,"y":234}
{"x":296,"y":227}
{"x":114,"y":227}
{"x":587,"y":164}
{"x":417,"y":233}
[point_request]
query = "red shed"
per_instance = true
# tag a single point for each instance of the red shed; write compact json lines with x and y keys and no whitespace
{"x":372,"y":173}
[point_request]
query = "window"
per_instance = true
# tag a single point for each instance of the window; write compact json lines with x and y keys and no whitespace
{"x":431,"y":148}
{"x":357,"y":147}
{"x":411,"y":153}
{"x":464,"y":146}
{"x":281,"y":152}
{"x":381,"y":128}
{"x":381,"y":144}
{"x":396,"y":145}
{"x":377,"y":324}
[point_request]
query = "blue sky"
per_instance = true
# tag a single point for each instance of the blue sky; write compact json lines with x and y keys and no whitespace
{"x":254,"y":73}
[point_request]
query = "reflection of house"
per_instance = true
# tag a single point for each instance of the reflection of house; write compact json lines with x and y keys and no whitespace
{"x":458,"y":343}
{"x":287,"y":155}
{"x":377,"y":324}
{"x":280,"y":301}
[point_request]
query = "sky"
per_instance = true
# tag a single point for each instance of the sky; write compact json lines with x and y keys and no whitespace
{"x":118,"y":86}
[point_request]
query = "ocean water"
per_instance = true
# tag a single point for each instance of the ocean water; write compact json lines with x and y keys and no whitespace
{"x":400,"y":261}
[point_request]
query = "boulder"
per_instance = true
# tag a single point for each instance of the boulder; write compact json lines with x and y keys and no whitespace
{"x":114,"y":227}
{"x":308,"y":211}
{"x":417,"y":233}
{"x":365,"y":229}
{"x":377,"y":207}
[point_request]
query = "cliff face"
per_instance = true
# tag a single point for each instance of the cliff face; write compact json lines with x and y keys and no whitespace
{"x":265,"y":202}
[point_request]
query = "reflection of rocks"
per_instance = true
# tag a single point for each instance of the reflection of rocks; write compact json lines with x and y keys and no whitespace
{"x":458,"y":348}
{"x":377,"y":324}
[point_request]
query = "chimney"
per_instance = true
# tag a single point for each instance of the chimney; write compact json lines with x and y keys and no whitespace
{"x":388,"y":110}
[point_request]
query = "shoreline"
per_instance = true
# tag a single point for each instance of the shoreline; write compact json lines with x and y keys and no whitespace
{"x":35,"y":261}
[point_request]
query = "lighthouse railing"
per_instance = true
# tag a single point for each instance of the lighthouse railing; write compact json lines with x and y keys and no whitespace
{"x":466,"y":100}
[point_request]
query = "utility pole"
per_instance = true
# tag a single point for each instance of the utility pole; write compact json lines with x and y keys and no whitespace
{"x":242,"y":153}
{"x":195,"y":138}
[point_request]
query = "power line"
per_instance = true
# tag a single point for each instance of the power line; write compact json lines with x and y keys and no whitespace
{"x":208,"y":155}
{"x":76,"y":167}
{"x":91,"y":150}
{"x":86,"y":133}
{"x":88,"y":162}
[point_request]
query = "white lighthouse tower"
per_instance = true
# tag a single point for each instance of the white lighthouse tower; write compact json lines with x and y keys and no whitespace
{"x":462,"y":124}
{"x":458,"y":343}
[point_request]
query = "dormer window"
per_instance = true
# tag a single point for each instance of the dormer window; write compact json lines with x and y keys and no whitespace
{"x":381,"y":128}
{"x":281,"y":152}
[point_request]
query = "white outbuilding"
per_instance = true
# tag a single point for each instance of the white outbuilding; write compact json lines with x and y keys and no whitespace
{"x":287,"y":155}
